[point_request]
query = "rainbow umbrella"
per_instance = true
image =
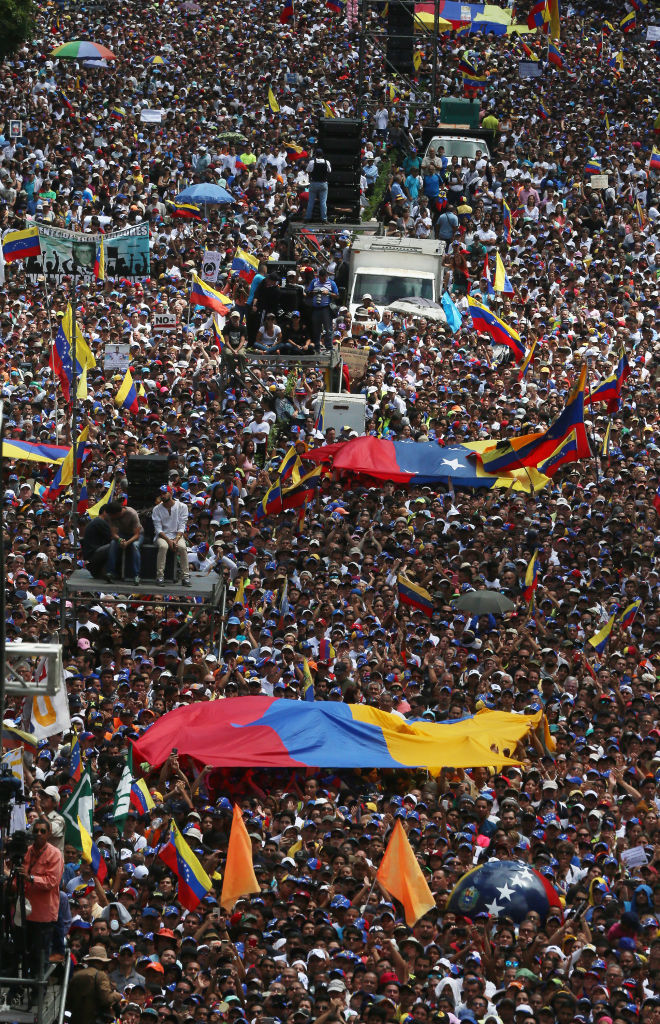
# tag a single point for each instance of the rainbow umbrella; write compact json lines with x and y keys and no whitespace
{"x":81,"y":49}
{"x":155,"y":61}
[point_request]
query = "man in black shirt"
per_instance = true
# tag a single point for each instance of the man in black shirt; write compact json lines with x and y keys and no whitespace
{"x":97,"y":542}
{"x":296,"y":337}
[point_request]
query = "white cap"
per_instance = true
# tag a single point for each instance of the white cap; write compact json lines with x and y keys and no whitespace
{"x":54,"y":793}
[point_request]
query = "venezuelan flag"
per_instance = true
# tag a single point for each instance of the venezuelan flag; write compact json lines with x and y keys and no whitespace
{"x":99,"y":262}
{"x":555,"y":56}
{"x":27,"y":451}
{"x":501,"y":282}
{"x":524,"y":366}
{"x":271,"y":503}
{"x":272,"y":101}
{"x":566,"y":451}
{"x":605,"y":450}
{"x":336,"y":6}
{"x":75,"y":761}
{"x":64,"y":474}
{"x":535,"y":449}
{"x":628,"y":614}
{"x":593,"y":166}
{"x":188,"y":211}
{"x":628,"y":22}
{"x":607,"y":29}
{"x":294,"y":152}
{"x":246,"y":264}
{"x":326,"y":650}
{"x":542,"y":110}
{"x":539,"y":17}
{"x":286,"y":14}
{"x":194,"y":883}
{"x":217,"y":324}
{"x":126,"y":397}
{"x":268,"y":732}
{"x":202,"y":294}
{"x":95,"y":509}
{"x":472,"y":80}
{"x":118,"y":113}
{"x":141,"y":798}
{"x":13,"y":737}
{"x":92,"y":854}
{"x":83,"y":498}
{"x":599,"y":640}
{"x":654,"y":161}
{"x":20,"y":245}
{"x":500,"y":332}
{"x":531,"y":579}
{"x":609,"y":390}
{"x":417,"y":597}
{"x":506,"y":221}
{"x":328,"y":109}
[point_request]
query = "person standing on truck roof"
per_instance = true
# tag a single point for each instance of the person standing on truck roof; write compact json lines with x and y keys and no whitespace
{"x":319,"y":171}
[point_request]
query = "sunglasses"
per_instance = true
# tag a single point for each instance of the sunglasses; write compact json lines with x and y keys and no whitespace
{"x":40,"y":831}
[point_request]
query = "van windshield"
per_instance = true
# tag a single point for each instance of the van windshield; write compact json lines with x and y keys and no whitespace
{"x":385,"y":289}
{"x":459,"y":147}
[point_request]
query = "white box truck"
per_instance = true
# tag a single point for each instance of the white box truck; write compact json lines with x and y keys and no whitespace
{"x":390,"y":268}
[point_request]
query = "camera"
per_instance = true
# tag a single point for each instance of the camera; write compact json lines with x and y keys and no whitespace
{"x":10,"y":786}
{"x":16,"y":847}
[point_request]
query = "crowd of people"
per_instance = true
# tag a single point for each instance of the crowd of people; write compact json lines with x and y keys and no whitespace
{"x":322,"y":941}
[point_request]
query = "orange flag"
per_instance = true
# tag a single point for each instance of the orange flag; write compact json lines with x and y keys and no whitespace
{"x":239,"y":877}
{"x":403,"y":878}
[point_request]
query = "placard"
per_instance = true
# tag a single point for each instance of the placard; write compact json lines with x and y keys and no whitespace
{"x":15,"y":129}
{"x":163,"y":322}
{"x":529,"y":69}
{"x":151,"y":116}
{"x":211,"y":263}
{"x":356,"y":359}
{"x":116,"y":358}
{"x":598,"y":180}
{"x":653,"y":34}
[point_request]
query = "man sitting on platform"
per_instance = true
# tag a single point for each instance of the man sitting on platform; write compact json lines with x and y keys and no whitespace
{"x":170,"y":518}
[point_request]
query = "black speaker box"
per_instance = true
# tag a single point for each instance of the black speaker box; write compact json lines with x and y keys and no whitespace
{"x":145,"y":474}
{"x":400,"y":29}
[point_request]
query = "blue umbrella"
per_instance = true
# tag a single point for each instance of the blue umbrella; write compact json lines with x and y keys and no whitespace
{"x":205,"y":194}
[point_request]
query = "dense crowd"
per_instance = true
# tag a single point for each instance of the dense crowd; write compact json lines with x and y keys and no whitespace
{"x":322,"y":942}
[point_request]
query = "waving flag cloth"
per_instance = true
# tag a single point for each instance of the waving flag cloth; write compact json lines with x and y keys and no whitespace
{"x":654,"y":161}
{"x":126,"y":397}
{"x":95,"y":509}
{"x":20,"y":245}
{"x":187,"y":211}
{"x":286,"y":14}
{"x":91,"y":853}
{"x":272,"y":101}
{"x":524,"y":366}
{"x":599,"y":640}
{"x":201,"y":294}
{"x":533,"y":449}
{"x":28,"y":451}
{"x":267,"y":732}
{"x":554,"y":56}
{"x":246,"y":264}
{"x":629,"y":614}
{"x":64,"y":475}
{"x":194,"y":883}
{"x":593,"y":166}
{"x":539,"y":17}
{"x":609,"y":390}
{"x":61,"y":357}
{"x":500,"y":332}
{"x":501,"y":282}
{"x":531,"y":580}
{"x":628,"y":22}
{"x":141,"y":798}
{"x":240,"y":879}
{"x":452,"y":312}
{"x":506,"y":221}
{"x":400,"y":874}
{"x":415,"y":596}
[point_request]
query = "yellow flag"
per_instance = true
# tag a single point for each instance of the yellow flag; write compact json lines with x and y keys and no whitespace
{"x":81,"y":390}
{"x":328,"y":110}
{"x":272,"y":101}
{"x":95,"y":509}
{"x":84,"y":353}
{"x":417,"y":60}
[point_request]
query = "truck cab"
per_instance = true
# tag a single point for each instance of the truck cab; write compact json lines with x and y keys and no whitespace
{"x":389,"y":268}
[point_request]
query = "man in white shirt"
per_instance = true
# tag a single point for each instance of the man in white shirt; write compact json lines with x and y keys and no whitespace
{"x":169,"y":519}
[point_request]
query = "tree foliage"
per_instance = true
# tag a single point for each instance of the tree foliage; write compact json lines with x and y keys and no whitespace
{"x":16,"y":25}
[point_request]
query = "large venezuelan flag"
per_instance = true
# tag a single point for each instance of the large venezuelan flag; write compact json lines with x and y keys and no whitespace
{"x":264,"y":732}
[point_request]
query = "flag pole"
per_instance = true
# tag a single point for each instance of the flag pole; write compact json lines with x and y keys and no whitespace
{"x":52,"y":345}
{"x":74,"y":409}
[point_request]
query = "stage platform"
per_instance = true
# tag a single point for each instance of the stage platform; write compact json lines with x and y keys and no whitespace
{"x":329,"y":361}
{"x":206,"y":593}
